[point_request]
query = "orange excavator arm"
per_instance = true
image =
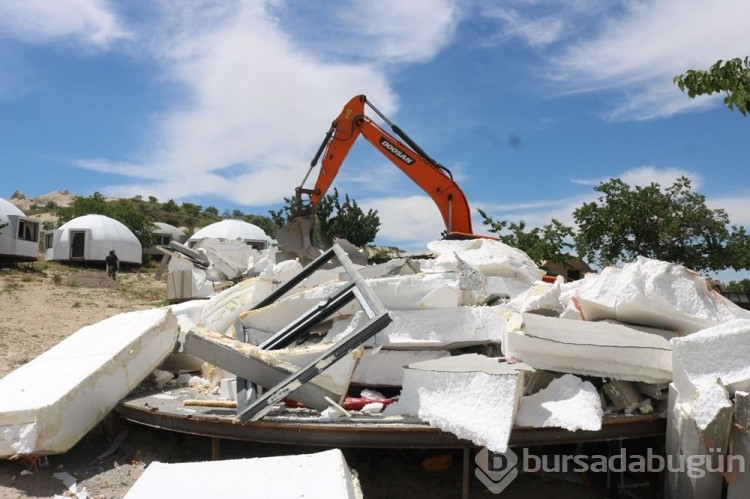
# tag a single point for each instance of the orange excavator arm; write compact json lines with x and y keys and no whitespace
{"x":436,"y":180}
{"x":407,"y":156}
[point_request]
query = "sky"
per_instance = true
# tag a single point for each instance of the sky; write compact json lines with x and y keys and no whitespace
{"x":529,"y":103}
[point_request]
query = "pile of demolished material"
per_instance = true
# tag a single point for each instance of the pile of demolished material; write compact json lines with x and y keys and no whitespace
{"x":471,"y":341}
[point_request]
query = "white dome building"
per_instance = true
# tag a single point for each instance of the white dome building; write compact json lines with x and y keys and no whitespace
{"x":232,"y":230}
{"x":19,"y":234}
{"x":90,"y":238}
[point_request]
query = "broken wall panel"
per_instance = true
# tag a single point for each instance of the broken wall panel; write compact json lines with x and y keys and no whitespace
{"x":48,"y":404}
{"x":267,"y":368}
{"x":597,"y":349}
{"x":386,"y":367}
{"x":432,"y":328}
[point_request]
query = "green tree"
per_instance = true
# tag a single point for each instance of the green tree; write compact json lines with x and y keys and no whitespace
{"x":672,"y":224}
{"x":540,"y":243}
{"x":741,"y":286}
{"x":170,"y":206}
{"x":731,"y":77}
{"x":191,"y":209}
{"x":211,"y":211}
{"x":346,"y":220}
{"x":335,"y":220}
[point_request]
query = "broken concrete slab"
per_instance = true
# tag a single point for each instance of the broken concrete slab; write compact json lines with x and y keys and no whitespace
{"x":656,"y":294}
{"x":622,"y":394}
{"x":568,"y":402}
{"x":589,"y":348}
{"x":323,"y":475}
{"x":721,"y":352}
{"x":443,"y":328}
{"x":269,"y":367}
{"x":472,"y":396}
{"x":655,"y":391}
{"x":48,"y":404}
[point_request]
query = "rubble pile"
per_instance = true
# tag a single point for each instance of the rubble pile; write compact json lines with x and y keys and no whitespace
{"x":472,"y":341}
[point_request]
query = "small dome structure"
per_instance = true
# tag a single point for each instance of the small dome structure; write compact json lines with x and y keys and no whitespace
{"x":90,"y":238}
{"x":231,"y":230}
{"x":19,"y":234}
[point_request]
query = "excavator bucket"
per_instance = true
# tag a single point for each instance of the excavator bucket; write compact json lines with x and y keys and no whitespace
{"x":296,"y":238}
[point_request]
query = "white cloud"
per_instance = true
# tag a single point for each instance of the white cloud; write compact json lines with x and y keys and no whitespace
{"x":258,"y":100}
{"x":92,"y":22}
{"x":409,"y":222}
{"x":645,"y":175}
{"x":395,"y":31}
{"x":640,"y":49}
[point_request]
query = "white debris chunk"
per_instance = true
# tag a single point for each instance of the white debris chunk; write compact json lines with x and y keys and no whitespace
{"x":654,"y":293}
{"x":590,"y":348}
{"x":437,"y":328}
{"x":568,"y":402}
{"x":385,"y":368}
{"x":541,"y":296}
{"x":47,"y":405}
{"x":220,"y":312}
{"x":472,"y":396}
{"x":509,"y":287}
{"x":418,"y":291}
{"x":490,"y":257}
{"x":721,"y":352}
{"x":323,"y":475}
{"x":712,"y":400}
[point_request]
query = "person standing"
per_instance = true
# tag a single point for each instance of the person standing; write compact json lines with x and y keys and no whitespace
{"x":113,"y":265}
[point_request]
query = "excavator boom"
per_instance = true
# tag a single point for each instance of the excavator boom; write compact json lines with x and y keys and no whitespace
{"x":404,"y":153}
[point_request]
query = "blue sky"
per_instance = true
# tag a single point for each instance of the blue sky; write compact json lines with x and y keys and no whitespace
{"x":530,"y":103}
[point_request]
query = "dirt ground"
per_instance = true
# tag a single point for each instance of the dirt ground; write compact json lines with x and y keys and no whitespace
{"x":48,"y":302}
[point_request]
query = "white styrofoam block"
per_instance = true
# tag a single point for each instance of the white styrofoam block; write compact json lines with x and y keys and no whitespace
{"x":220,"y":311}
{"x":323,"y":475}
{"x":711,"y":399}
{"x":411,"y":292}
{"x":509,"y":286}
{"x":590,"y":348}
{"x":418,"y":291}
{"x":188,"y":313}
{"x":654,"y":293}
{"x":540,"y":296}
{"x":431,"y":328}
{"x":386,"y":367}
{"x":277,"y":315}
{"x":48,"y":404}
{"x":490,"y":257}
{"x":721,"y":352}
{"x":472,"y":396}
{"x":567,"y":402}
